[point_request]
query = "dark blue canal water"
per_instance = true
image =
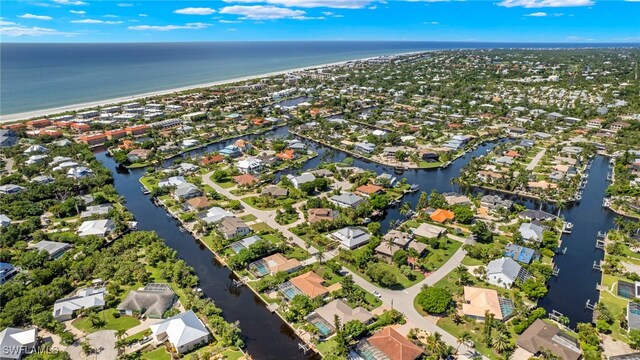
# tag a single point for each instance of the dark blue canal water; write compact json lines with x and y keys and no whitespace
{"x":268,"y":337}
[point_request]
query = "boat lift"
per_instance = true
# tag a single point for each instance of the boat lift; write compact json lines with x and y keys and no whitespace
{"x":556,"y":270}
{"x":589,"y":305}
{"x":597,"y":265}
{"x":555,"y":315}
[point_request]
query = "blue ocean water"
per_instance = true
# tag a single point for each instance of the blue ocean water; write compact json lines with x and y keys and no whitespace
{"x":41,"y":76}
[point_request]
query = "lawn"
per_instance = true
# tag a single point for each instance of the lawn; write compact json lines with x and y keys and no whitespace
{"x":249,"y":217}
{"x":232,"y":354}
{"x":476,"y":335}
{"x":615,"y":304}
{"x":261,"y":227}
{"x":403,"y":281}
{"x":325,"y":347}
{"x":137,"y":336}
{"x":437,"y":257}
{"x":111,"y":323}
{"x":272,"y":238}
{"x":158,"y":354}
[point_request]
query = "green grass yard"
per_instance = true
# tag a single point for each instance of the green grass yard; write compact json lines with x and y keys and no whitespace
{"x":122,"y":322}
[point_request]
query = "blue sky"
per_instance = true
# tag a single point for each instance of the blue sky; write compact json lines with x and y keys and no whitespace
{"x":231,"y":20}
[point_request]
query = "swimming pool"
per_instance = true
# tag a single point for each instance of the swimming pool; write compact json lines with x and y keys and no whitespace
{"x":626,"y":290}
{"x":323,"y":327}
{"x":237,"y":247}
{"x":259,"y":268}
{"x":506,"y":307}
{"x":289,"y":290}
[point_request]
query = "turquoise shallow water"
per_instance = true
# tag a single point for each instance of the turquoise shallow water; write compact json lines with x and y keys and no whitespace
{"x":41,"y":76}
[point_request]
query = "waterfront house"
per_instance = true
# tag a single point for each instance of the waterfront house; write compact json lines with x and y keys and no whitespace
{"x":151,"y":301}
{"x":186,"y":190}
{"x":520,"y":253}
{"x":136,"y":155}
{"x":544,"y":336}
{"x":369,"y":190}
{"x":214,"y":215}
{"x":531,"y":232}
{"x":389,"y":344}
{"x":232,"y":227}
{"x":53,"y":248}
{"x":309,"y":284}
{"x":231,"y":150}
{"x":364,"y":147}
{"x":456,"y":199}
{"x":274,"y":192}
{"x":198,"y":203}
{"x":478,"y":302}
{"x":96,"y":227}
{"x":184,"y":332}
{"x":351,"y":237}
{"x":65,"y":309}
{"x":441,"y":215}
{"x":343,"y":311}
{"x":244,"y":244}
{"x":347,"y":200}
{"x":288,"y":154}
{"x":274,"y":264}
{"x":301,"y":179}
{"x":633,"y":315}
{"x":536,"y":215}
{"x":98,"y":210}
{"x":250,"y":165}
{"x":7,"y":272}
{"x":386,"y":180}
{"x":321,"y":214}
{"x":504,"y":272}
{"x":172,"y":181}
{"x":495,"y":202}
{"x":38,"y":124}
{"x":15,"y":343}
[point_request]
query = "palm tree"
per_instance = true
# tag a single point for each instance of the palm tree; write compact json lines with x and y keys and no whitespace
{"x":464,"y":338}
{"x":405,"y":208}
{"x":120,"y":333}
{"x":501,"y":342}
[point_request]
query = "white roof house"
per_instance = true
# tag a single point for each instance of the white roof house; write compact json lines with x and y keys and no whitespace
{"x":347,"y":200}
{"x":96,"y":227}
{"x":64,"y":309}
{"x":15,"y":343}
{"x":35,"y":149}
{"x":531,"y":232}
{"x":4,"y":220}
{"x":184,"y":331}
{"x":55,"y":249}
{"x":250,"y":165}
{"x":10,"y":189}
{"x":172,"y":181}
{"x":351,"y":237}
{"x":78,"y":172}
{"x":301,"y":179}
{"x":215,"y":215}
{"x":504,"y":272}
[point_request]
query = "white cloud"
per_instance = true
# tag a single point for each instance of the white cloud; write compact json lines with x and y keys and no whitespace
{"x":125,"y":4}
{"x":79,"y":12}
{"x":538,"y":14}
{"x":36,"y":17}
{"x":70,"y":2}
{"x":229,"y":21}
{"x":337,"y":4}
{"x":143,"y":15}
{"x":544,"y":3}
{"x":95,"y":21}
{"x":431,"y":23}
{"x":195,"y":11}
{"x":18,"y":30}
{"x":261,"y":12}
{"x":6,"y":23}
{"x":188,"y":26}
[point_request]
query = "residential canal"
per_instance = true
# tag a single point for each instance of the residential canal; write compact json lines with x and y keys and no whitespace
{"x":569,"y":292}
{"x":577,"y":279}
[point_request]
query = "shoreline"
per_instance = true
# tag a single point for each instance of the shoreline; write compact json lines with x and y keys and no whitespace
{"x":26,"y":115}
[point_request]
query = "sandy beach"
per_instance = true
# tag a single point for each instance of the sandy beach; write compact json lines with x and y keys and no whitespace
{"x":100,"y":103}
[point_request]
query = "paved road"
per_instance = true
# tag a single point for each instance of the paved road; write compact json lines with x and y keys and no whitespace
{"x":402,"y":300}
{"x":266,"y":216}
{"x":536,"y":159}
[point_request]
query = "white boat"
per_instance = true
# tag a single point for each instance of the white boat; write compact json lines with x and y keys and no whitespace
{"x":414,"y":188}
{"x":567,"y":227}
{"x":366,"y":221}
{"x":578,"y":197}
